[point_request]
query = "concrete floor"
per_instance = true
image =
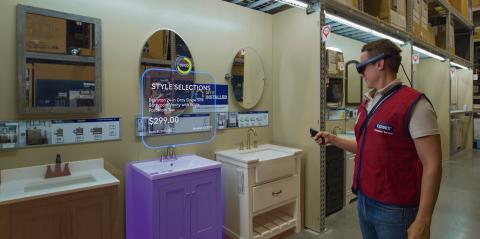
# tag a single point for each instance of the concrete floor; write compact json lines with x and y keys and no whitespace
{"x":456,"y":216}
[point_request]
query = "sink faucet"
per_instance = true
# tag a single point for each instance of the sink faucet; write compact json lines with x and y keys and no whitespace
{"x":57,"y":172}
{"x":334,"y":131}
{"x":248,"y":138}
{"x":169,"y":154}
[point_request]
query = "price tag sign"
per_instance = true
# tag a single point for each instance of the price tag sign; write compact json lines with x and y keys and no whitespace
{"x":326,"y":30}
{"x":415,"y":59}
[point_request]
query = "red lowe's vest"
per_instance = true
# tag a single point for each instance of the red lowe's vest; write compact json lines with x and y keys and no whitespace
{"x":387,"y":166}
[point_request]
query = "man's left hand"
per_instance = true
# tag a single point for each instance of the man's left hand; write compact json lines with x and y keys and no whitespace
{"x":419,"y":229}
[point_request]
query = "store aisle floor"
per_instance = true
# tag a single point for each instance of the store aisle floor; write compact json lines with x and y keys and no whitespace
{"x":456,"y":216}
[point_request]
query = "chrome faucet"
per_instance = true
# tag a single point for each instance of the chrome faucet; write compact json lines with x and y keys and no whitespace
{"x":334,"y":131}
{"x":169,"y":154}
{"x":248,"y":138}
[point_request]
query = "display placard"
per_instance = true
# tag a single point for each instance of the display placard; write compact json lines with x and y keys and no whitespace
{"x":34,"y":133}
{"x":179,"y":101}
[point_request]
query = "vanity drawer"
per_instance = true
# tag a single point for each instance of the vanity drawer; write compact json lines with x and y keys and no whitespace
{"x":273,"y":193}
{"x":269,"y":170}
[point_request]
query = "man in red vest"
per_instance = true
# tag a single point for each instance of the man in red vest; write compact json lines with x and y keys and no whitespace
{"x":397,"y":150}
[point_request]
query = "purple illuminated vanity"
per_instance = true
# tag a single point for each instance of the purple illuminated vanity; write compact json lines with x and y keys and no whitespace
{"x":177,"y":199}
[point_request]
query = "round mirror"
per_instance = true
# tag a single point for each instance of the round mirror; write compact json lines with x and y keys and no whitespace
{"x":247,"y":78}
{"x":165,"y":50}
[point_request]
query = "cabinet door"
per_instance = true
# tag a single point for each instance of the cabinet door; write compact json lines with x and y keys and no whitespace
{"x":90,"y":216}
{"x":37,"y":220}
{"x":205,"y":202}
{"x":173,"y":211}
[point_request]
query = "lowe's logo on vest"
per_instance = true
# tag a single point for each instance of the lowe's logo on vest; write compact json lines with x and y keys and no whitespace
{"x":384,"y":128}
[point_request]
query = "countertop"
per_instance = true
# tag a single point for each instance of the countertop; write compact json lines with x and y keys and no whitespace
{"x":234,"y":154}
{"x":90,"y":174}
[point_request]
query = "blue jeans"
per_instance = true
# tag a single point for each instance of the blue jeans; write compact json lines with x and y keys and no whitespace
{"x":383,"y":221}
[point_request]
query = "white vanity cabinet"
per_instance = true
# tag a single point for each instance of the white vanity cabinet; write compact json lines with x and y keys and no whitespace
{"x":261,"y":191}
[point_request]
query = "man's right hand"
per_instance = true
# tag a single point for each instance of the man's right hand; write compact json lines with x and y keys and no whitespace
{"x":329,"y":138}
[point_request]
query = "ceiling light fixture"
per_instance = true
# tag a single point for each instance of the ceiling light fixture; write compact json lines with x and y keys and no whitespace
{"x":425,"y":52}
{"x":294,"y":3}
{"x":458,"y":65}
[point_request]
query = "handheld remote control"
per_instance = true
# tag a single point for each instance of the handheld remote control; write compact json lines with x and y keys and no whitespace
{"x":314,"y":132}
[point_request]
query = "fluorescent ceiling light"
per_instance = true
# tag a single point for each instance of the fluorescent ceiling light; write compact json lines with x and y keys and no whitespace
{"x":362,"y":28}
{"x":425,"y":52}
{"x":458,"y":65}
{"x":334,"y":49}
{"x":294,"y":3}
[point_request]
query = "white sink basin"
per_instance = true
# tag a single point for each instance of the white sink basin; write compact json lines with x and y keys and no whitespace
{"x":271,"y":161}
{"x":266,"y":154}
{"x":58,"y":182}
{"x":155,"y":169}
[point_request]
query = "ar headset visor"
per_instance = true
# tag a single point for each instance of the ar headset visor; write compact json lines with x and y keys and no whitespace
{"x":362,"y":65}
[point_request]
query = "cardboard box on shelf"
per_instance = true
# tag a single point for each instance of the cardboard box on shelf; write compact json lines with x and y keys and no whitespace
{"x":393,"y":11}
{"x":461,"y":6}
{"x":63,"y":72}
{"x":155,"y":46}
{"x":441,"y":37}
{"x":475,"y":3}
{"x":45,"y":34}
{"x":428,"y":35}
{"x":335,"y":62}
{"x":351,"y":3}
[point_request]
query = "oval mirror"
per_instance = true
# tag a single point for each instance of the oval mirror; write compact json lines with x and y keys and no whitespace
{"x":247,"y":78}
{"x":163,"y":50}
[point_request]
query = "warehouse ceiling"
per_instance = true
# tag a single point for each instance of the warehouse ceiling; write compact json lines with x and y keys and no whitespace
{"x":267,"y":6}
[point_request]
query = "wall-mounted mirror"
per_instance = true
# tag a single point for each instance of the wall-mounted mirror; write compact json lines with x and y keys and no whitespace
{"x":58,"y":58}
{"x":163,"y":49}
{"x":353,"y":85}
{"x":247,"y":78}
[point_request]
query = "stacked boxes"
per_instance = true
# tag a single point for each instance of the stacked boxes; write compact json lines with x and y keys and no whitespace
{"x":335,"y":62}
{"x":421,"y":27}
{"x":427,"y":30}
{"x":417,"y":17}
{"x":392,"y":11}
{"x":440,"y":33}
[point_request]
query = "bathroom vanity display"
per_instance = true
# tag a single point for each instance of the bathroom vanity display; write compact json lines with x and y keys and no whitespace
{"x":81,"y":205}
{"x":177,"y":197}
{"x":262,"y":191}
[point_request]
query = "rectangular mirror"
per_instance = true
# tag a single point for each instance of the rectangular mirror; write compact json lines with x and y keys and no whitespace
{"x":58,"y":62}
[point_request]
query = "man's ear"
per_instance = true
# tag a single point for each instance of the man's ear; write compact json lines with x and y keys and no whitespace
{"x":380,"y":64}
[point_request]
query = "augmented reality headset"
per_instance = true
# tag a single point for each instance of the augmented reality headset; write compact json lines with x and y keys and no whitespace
{"x":362,"y":65}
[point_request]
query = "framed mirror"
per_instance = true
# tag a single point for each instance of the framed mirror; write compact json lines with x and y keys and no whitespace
{"x":353,"y":85}
{"x":58,"y":62}
{"x":247,"y":78}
